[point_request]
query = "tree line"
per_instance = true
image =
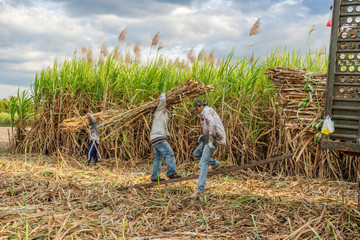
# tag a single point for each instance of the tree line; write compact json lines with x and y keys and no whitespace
{"x":5,"y":105}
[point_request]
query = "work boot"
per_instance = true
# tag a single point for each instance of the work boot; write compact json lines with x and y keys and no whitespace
{"x":197,"y":193}
{"x":174,"y":175}
{"x":155,"y":180}
{"x":215,"y":167}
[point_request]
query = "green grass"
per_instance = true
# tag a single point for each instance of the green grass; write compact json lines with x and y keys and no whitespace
{"x":5,"y":119}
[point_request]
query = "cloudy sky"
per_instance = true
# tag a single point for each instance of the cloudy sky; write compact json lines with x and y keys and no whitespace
{"x":33,"y":33}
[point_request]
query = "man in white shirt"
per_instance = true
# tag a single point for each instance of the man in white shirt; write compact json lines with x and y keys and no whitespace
{"x":213,"y":135}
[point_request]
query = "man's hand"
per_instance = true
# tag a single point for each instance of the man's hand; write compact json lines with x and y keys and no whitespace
{"x":92,"y":119}
{"x":211,"y":145}
{"x":200,"y":139}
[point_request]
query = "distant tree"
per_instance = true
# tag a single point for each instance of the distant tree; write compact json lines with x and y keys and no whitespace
{"x":5,"y":105}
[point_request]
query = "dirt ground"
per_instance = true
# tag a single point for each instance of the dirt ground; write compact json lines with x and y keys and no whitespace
{"x":4,"y":137}
{"x":59,"y":197}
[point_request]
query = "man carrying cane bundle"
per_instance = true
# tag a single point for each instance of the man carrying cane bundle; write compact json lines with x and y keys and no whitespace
{"x":158,"y":138}
{"x":213,"y":135}
{"x":94,"y":140}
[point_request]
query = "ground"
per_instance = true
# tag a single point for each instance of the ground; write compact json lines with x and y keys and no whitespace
{"x":59,"y":197}
{"x":4,"y":137}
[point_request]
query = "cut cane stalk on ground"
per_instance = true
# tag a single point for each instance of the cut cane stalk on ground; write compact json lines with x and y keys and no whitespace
{"x":278,"y":209}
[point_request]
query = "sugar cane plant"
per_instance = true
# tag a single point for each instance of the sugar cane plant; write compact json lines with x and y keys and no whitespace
{"x":245,"y":94}
{"x":21,"y":111}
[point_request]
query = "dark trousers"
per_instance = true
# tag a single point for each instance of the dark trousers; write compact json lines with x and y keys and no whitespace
{"x":92,"y":152}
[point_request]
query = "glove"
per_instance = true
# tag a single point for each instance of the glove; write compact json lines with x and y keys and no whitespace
{"x":211,"y":145}
{"x":200,"y":139}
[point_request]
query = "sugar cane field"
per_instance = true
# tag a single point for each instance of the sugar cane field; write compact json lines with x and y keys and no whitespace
{"x":269,"y":106}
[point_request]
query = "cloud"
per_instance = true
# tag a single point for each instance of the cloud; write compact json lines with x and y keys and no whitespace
{"x":36,"y":32}
{"x":39,"y":27}
{"x":33,"y":37}
{"x":8,"y":91}
{"x":81,"y":8}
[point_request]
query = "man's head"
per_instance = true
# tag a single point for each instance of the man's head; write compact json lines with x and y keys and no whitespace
{"x":198,"y":105}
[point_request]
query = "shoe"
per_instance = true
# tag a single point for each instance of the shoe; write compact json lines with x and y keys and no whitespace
{"x":174,"y":176}
{"x":197,"y":193}
{"x":215,"y":167}
{"x":155,"y":180}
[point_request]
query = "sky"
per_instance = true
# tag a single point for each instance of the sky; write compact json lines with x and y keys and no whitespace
{"x":35,"y":33}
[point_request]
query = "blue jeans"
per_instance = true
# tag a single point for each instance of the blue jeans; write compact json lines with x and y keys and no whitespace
{"x":160,"y":150}
{"x":204,"y":154}
{"x":92,"y":152}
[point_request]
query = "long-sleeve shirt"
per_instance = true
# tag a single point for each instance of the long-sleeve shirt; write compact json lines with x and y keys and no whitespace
{"x":213,"y":129}
{"x":94,"y":133}
{"x":161,"y":117}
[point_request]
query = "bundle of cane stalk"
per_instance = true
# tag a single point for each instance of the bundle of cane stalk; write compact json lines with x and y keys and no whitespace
{"x":77,"y":123}
{"x":301,"y":94}
{"x":189,"y":89}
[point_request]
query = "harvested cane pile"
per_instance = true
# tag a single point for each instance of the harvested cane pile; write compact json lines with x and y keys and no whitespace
{"x":300,"y":94}
{"x":116,"y":120}
{"x":297,"y":125}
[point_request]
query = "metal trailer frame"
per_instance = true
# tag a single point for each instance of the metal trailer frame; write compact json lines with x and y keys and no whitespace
{"x":343,"y":79}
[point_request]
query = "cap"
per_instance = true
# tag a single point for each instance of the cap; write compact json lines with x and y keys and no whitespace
{"x":197,"y":103}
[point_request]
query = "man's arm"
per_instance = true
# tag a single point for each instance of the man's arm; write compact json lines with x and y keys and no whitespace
{"x":92,"y":119}
{"x":162,"y":101}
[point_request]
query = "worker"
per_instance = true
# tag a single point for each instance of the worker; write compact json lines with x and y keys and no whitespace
{"x":94,"y":140}
{"x":213,"y":135}
{"x":158,"y":138}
